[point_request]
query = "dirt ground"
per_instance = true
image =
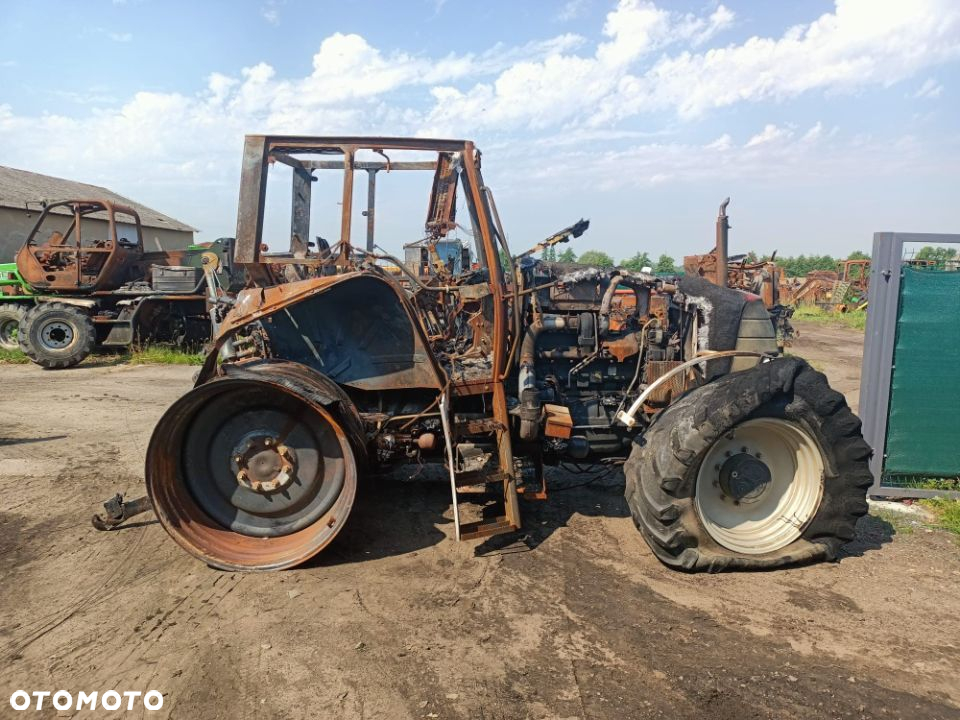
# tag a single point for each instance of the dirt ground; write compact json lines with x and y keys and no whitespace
{"x":572,"y":619}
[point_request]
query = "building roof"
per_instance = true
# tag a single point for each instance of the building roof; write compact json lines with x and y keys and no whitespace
{"x":28,"y":190}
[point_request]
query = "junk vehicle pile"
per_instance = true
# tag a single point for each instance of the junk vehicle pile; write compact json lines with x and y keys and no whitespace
{"x":71,"y":289}
{"x":339,"y":360}
{"x":837,"y":291}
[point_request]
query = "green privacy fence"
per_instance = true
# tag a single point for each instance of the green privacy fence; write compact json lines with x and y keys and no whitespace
{"x":923,"y":425}
{"x":910,"y":377}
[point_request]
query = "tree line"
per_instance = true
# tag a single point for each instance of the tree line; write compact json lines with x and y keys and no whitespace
{"x":793,"y":266}
{"x":598,"y":258}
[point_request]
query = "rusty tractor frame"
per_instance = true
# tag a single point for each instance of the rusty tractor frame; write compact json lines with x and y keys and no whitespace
{"x":339,"y":359}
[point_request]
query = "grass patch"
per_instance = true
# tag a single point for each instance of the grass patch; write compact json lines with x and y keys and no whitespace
{"x":150,"y":355}
{"x":855,"y":319}
{"x":160,"y":355}
{"x":947,"y":513}
{"x":12,"y":357}
{"x":902,"y":524}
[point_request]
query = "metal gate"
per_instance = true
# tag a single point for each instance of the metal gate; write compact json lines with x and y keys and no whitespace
{"x":910,"y":380}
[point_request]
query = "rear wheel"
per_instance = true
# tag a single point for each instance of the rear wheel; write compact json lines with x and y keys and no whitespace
{"x":56,"y":335}
{"x":11,"y":315}
{"x":759,"y":469}
{"x":251,"y":474}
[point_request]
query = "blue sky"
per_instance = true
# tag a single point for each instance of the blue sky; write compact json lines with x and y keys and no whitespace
{"x":825,"y":121}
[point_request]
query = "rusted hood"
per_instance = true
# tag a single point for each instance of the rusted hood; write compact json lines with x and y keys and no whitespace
{"x":258,"y":302}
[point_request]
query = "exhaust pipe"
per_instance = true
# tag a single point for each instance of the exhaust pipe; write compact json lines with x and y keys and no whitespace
{"x":723,"y":226}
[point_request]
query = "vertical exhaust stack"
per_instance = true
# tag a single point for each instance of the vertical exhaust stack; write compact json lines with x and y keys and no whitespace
{"x":723,"y":227}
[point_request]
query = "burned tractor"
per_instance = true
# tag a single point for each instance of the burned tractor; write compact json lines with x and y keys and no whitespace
{"x":76,"y":288}
{"x":495,"y":365}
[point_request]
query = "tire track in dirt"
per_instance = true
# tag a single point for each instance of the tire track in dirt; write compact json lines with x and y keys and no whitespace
{"x":573,"y":618}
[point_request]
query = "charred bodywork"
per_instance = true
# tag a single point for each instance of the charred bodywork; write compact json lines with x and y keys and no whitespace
{"x":336,"y":360}
{"x":89,"y":287}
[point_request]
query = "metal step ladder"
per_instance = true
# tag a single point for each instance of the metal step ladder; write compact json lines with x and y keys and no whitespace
{"x":505,"y":521}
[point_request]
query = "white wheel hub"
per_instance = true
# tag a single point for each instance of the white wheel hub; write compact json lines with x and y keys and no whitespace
{"x":760,"y":485}
{"x":56,"y":334}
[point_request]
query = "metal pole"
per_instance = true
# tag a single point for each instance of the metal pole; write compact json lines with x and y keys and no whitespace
{"x":347,"y":207}
{"x":371,"y":203}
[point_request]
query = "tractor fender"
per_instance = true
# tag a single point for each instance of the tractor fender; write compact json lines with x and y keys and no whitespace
{"x":359,"y":329}
{"x":732,"y":320}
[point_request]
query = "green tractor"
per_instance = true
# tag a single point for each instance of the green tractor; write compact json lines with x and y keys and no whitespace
{"x":15,"y":299}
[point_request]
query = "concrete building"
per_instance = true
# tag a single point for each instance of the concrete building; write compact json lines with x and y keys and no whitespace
{"x":23,"y":195}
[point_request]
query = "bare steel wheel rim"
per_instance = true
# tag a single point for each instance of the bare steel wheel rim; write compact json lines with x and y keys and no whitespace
{"x":760,"y":485}
{"x":250,"y":474}
{"x":57,"y":334}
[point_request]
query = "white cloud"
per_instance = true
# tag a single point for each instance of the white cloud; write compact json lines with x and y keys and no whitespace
{"x":766,"y":156}
{"x":562,"y":86}
{"x":120,"y":37}
{"x":698,"y":30}
{"x":270,"y":11}
{"x":930,"y":89}
{"x":724,"y":142}
{"x":562,"y":92}
{"x":861,"y":43}
{"x":770,"y":133}
{"x":571,"y":10}
{"x":815,"y":133}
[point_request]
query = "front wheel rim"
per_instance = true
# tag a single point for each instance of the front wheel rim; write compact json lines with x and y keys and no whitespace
{"x":57,"y":335}
{"x":178,"y":461}
{"x":760,"y":485}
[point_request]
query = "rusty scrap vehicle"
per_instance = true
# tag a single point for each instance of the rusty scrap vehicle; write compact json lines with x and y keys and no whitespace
{"x":341,"y":359}
{"x":837,"y":291}
{"x":81,"y":283}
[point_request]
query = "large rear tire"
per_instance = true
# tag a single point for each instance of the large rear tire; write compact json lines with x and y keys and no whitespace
{"x":11,"y":315}
{"x":256,"y":471}
{"x":759,"y":469}
{"x":56,"y":335}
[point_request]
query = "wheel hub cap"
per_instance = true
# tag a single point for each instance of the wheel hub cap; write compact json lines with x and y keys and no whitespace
{"x":264,"y":465}
{"x":57,"y":334}
{"x":744,"y":478}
